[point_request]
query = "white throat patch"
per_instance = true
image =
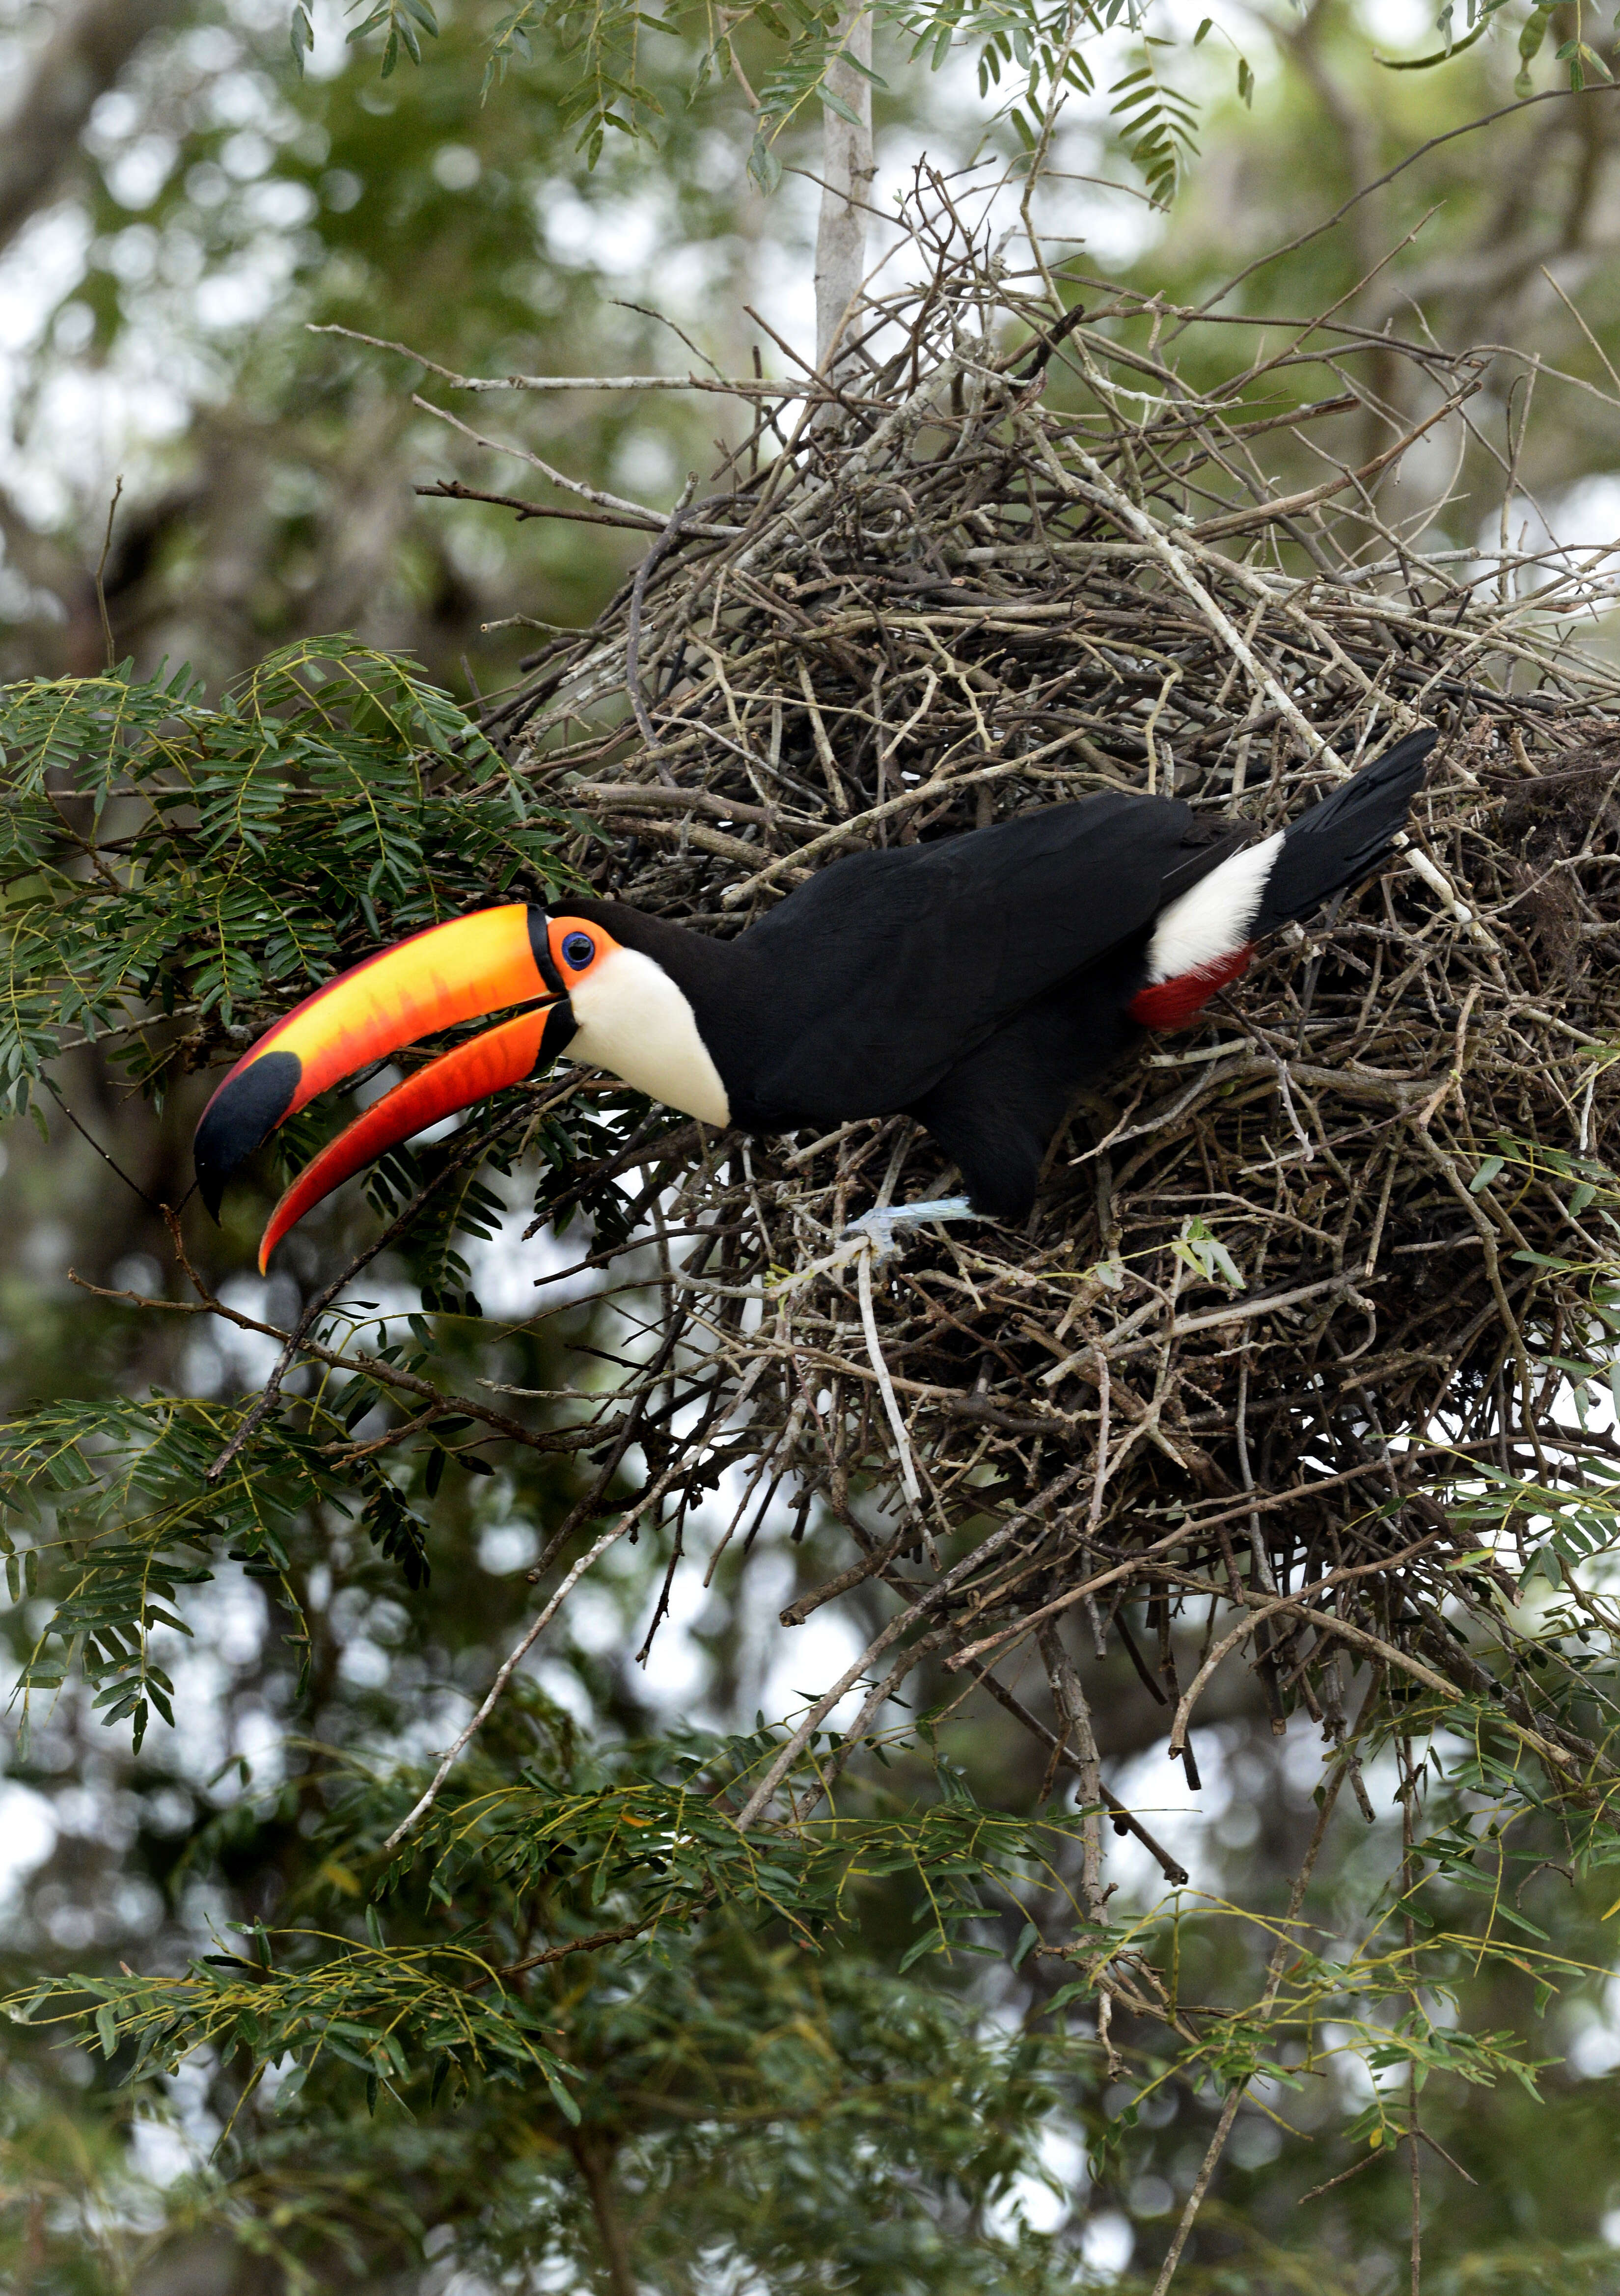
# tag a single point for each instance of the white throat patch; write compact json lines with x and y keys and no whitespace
{"x":635,"y":1022}
{"x":1213,"y":920}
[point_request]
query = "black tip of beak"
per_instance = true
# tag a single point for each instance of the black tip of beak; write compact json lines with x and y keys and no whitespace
{"x":240,"y":1115}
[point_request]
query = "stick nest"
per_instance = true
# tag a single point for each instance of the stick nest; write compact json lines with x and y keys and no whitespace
{"x":1293,"y":1274}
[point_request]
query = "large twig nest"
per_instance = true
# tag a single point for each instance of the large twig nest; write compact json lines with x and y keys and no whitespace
{"x":1352,"y":1210}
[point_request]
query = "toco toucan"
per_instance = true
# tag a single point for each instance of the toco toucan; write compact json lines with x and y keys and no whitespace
{"x":972,"y":983}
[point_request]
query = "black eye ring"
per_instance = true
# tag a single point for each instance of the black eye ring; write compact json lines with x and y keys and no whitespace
{"x":578,"y":950}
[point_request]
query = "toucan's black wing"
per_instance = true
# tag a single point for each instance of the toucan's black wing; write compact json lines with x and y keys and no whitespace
{"x":872,"y":982}
{"x":995,"y":1112}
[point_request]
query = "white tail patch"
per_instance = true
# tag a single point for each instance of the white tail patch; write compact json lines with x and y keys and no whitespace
{"x":1213,"y":919}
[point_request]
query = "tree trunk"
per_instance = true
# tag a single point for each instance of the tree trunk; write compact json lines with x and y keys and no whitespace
{"x":847,"y":169}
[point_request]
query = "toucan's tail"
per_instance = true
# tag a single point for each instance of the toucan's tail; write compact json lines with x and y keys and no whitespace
{"x":1205,"y":937}
{"x":1334,"y":844}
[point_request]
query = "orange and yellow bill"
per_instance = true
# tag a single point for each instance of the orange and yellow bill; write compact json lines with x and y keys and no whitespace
{"x":452,"y":972}
{"x":472,"y":1073}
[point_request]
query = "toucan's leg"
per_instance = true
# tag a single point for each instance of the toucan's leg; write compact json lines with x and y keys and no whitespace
{"x":994,"y":1114}
{"x":881,"y":1224}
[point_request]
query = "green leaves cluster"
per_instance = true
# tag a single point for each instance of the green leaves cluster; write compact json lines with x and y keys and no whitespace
{"x":582,"y":1945}
{"x":402,"y":22}
{"x":600,"y":44}
{"x":380,"y":2011}
{"x":1157,"y":124}
{"x":589,"y":1950}
{"x":654,"y":1829}
{"x":113,"y":1499}
{"x":1584,"y":65}
{"x":167,"y":862}
{"x":781,"y":51}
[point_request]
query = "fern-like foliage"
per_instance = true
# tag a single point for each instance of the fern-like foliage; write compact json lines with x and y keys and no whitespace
{"x":592,"y":1937}
{"x":409,"y":1970}
{"x":1028,"y":52}
{"x":176,"y":873}
{"x":171,"y":864}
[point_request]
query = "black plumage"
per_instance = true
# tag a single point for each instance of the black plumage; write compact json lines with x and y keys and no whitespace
{"x":975,"y":983}
{"x":863,"y":988}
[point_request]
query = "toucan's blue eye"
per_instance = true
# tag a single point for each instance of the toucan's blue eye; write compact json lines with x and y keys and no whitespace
{"x":578,"y":950}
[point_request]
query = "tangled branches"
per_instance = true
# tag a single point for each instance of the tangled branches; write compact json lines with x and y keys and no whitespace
{"x":1305,"y":1292}
{"x":1292,"y":1368}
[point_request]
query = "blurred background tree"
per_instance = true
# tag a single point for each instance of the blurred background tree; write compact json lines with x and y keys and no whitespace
{"x":178,"y":204}
{"x":170,"y":258}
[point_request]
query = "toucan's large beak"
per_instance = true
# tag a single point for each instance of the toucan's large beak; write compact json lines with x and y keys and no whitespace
{"x":458,"y":972}
{"x":472,"y":1073}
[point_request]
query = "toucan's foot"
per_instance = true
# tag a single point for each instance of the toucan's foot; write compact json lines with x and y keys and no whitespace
{"x":881,"y":1224}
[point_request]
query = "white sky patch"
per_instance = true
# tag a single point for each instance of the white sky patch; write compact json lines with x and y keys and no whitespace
{"x":248,"y":1357}
{"x":508,"y":1271}
{"x":1201,"y":1830}
{"x":61,"y":450}
{"x":138,"y":173}
{"x":1155,"y":1790}
{"x":165,"y":2150}
{"x":614,"y":236}
{"x":160,"y":2153}
{"x":27,"y":1835}
{"x":228,"y":1619}
{"x":1574,"y":529}
{"x":1595,"y":2048}
{"x":806,"y":1660}
{"x":1401,"y":27}
{"x":1044,"y":2203}
{"x":505,"y":1547}
{"x":45,"y":259}
{"x":330,"y":22}
{"x":1107,"y":2245}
